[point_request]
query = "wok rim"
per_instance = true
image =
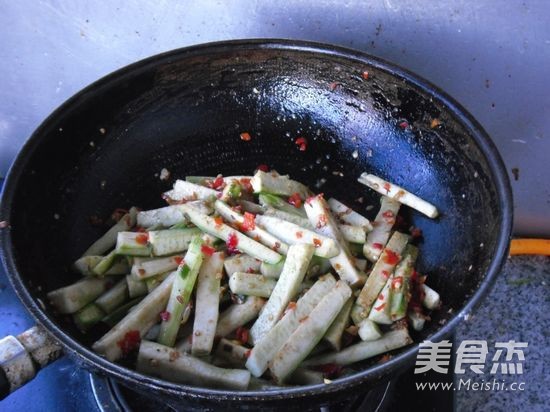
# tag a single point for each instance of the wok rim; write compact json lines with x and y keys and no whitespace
{"x":99,"y":364}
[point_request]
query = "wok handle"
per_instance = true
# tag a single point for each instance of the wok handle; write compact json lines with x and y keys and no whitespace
{"x":21,"y":357}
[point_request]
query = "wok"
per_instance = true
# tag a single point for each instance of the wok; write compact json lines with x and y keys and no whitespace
{"x":184,"y":110}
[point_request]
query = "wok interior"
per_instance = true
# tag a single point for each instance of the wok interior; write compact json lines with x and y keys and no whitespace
{"x":185,"y":111}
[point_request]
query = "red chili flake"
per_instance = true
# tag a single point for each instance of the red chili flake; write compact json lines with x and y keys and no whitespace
{"x":317,"y":242}
{"x":291,"y":306}
{"x":246,"y":136}
{"x":249,"y":222}
{"x":381,"y":296}
{"x":232,"y":243}
{"x":416,"y":233}
{"x":386,"y":274}
{"x":248,"y":353}
{"x":165,"y":316}
{"x":388,"y":213}
{"x":330,"y":370}
{"x":365,"y":75}
{"x":237,"y":208}
{"x":403,"y":125}
{"x":295,"y":200}
{"x":141,"y":272}
{"x":377,"y":246}
{"x":142,"y":238}
{"x":391,"y":258}
{"x":434,"y":123}
{"x":301,"y":142}
{"x":218,"y":182}
{"x":379,"y":308}
{"x":179,"y":298}
{"x":129,"y":342}
{"x":178,"y":260}
{"x":207,"y":250}
{"x":245,"y":184}
{"x":263,"y":168}
{"x":387,"y":186}
{"x":242,"y":334}
{"x":218,"y":220}
{"x":250,"y":270}
{"x":299,"y":234}
{"x":333,"y":86}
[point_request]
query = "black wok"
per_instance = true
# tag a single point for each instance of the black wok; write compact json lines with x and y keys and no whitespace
{"x":184,"y":111}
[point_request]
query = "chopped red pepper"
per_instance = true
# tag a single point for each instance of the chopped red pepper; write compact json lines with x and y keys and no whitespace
{"x":299,"y":234}
{"x":390,"y":257}
{"x":232,"y":243}
{"x":291,"y":306}
{"x":301,"y":142}
{"x":249,"y":222}
{"x":379,"y":308}
{"x":365,"y":75}
{"x":207,"y":250}
{"x":242,"y":334}
{"x":178,"y":260}
{"x":130,"y":342}
{"x":245,"y":184}
{"x":218,"y":220}
{"x":317,"y":242}
{"x":165,"y":316}
{"x":246,"y":136}
{"x":250,"y":270}
{"x":386,"y":274}
{"x":263,"y":168}
{"x":403,"y":125}
{"x":142,"y":238}
{"x":295,"y":200}
{"x":381,"y":296}
{"x":322,"y":221}
{"x":387,"y":186}
{"x":218,"y":183}
{"x":333,"y":86}
{"x":377,"y":245}
{"x":397,"y":282}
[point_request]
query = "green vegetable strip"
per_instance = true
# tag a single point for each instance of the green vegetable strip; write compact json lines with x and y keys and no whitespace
{"x":114,"y":297}
{"x":383,"y":224}
{"x":287,"y":288}
{"x":104,"y":264}
{"x":154,"y":267}
{"x":369,"y":330}
{"x":319,"y":216}
{"x":241,"y":263}
{"x":127,"y":244}
{"x":169,"y":364}
{"x":189,"y":191}
{"x":382,"y":269}
{"x":348,"y":215}
{"x":381,"y":309}
{"x":336,"y":329}
{"x":168,"y":216}
{"x":108,"y":240}
{"x":272,"y":271}
{"x":353,"y":234}
{"x":251,"y":207}
{"x":119,"y":313}
{"x":171,"y":241}
{"x":249,"y":284}
{"x":153,"y":282}
{"x":301,"y":221}
{"x":88,"y":316}
{"x":401,"y":285}
{"x":262,"y":236}
{"x":224,"y":232}
{"x":182,"y":287}
{"x":266,"y":348}
{"x":293,"y":235}
{"x":310,"y":332}
{"x":364,"y":350}
{"x":273,"y":201}
{"x":72,"y":298}
{"x":207,"y":304}
{"x":141,"y":318}
{"x":269,"y":182}
{"x":135,"y":287}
